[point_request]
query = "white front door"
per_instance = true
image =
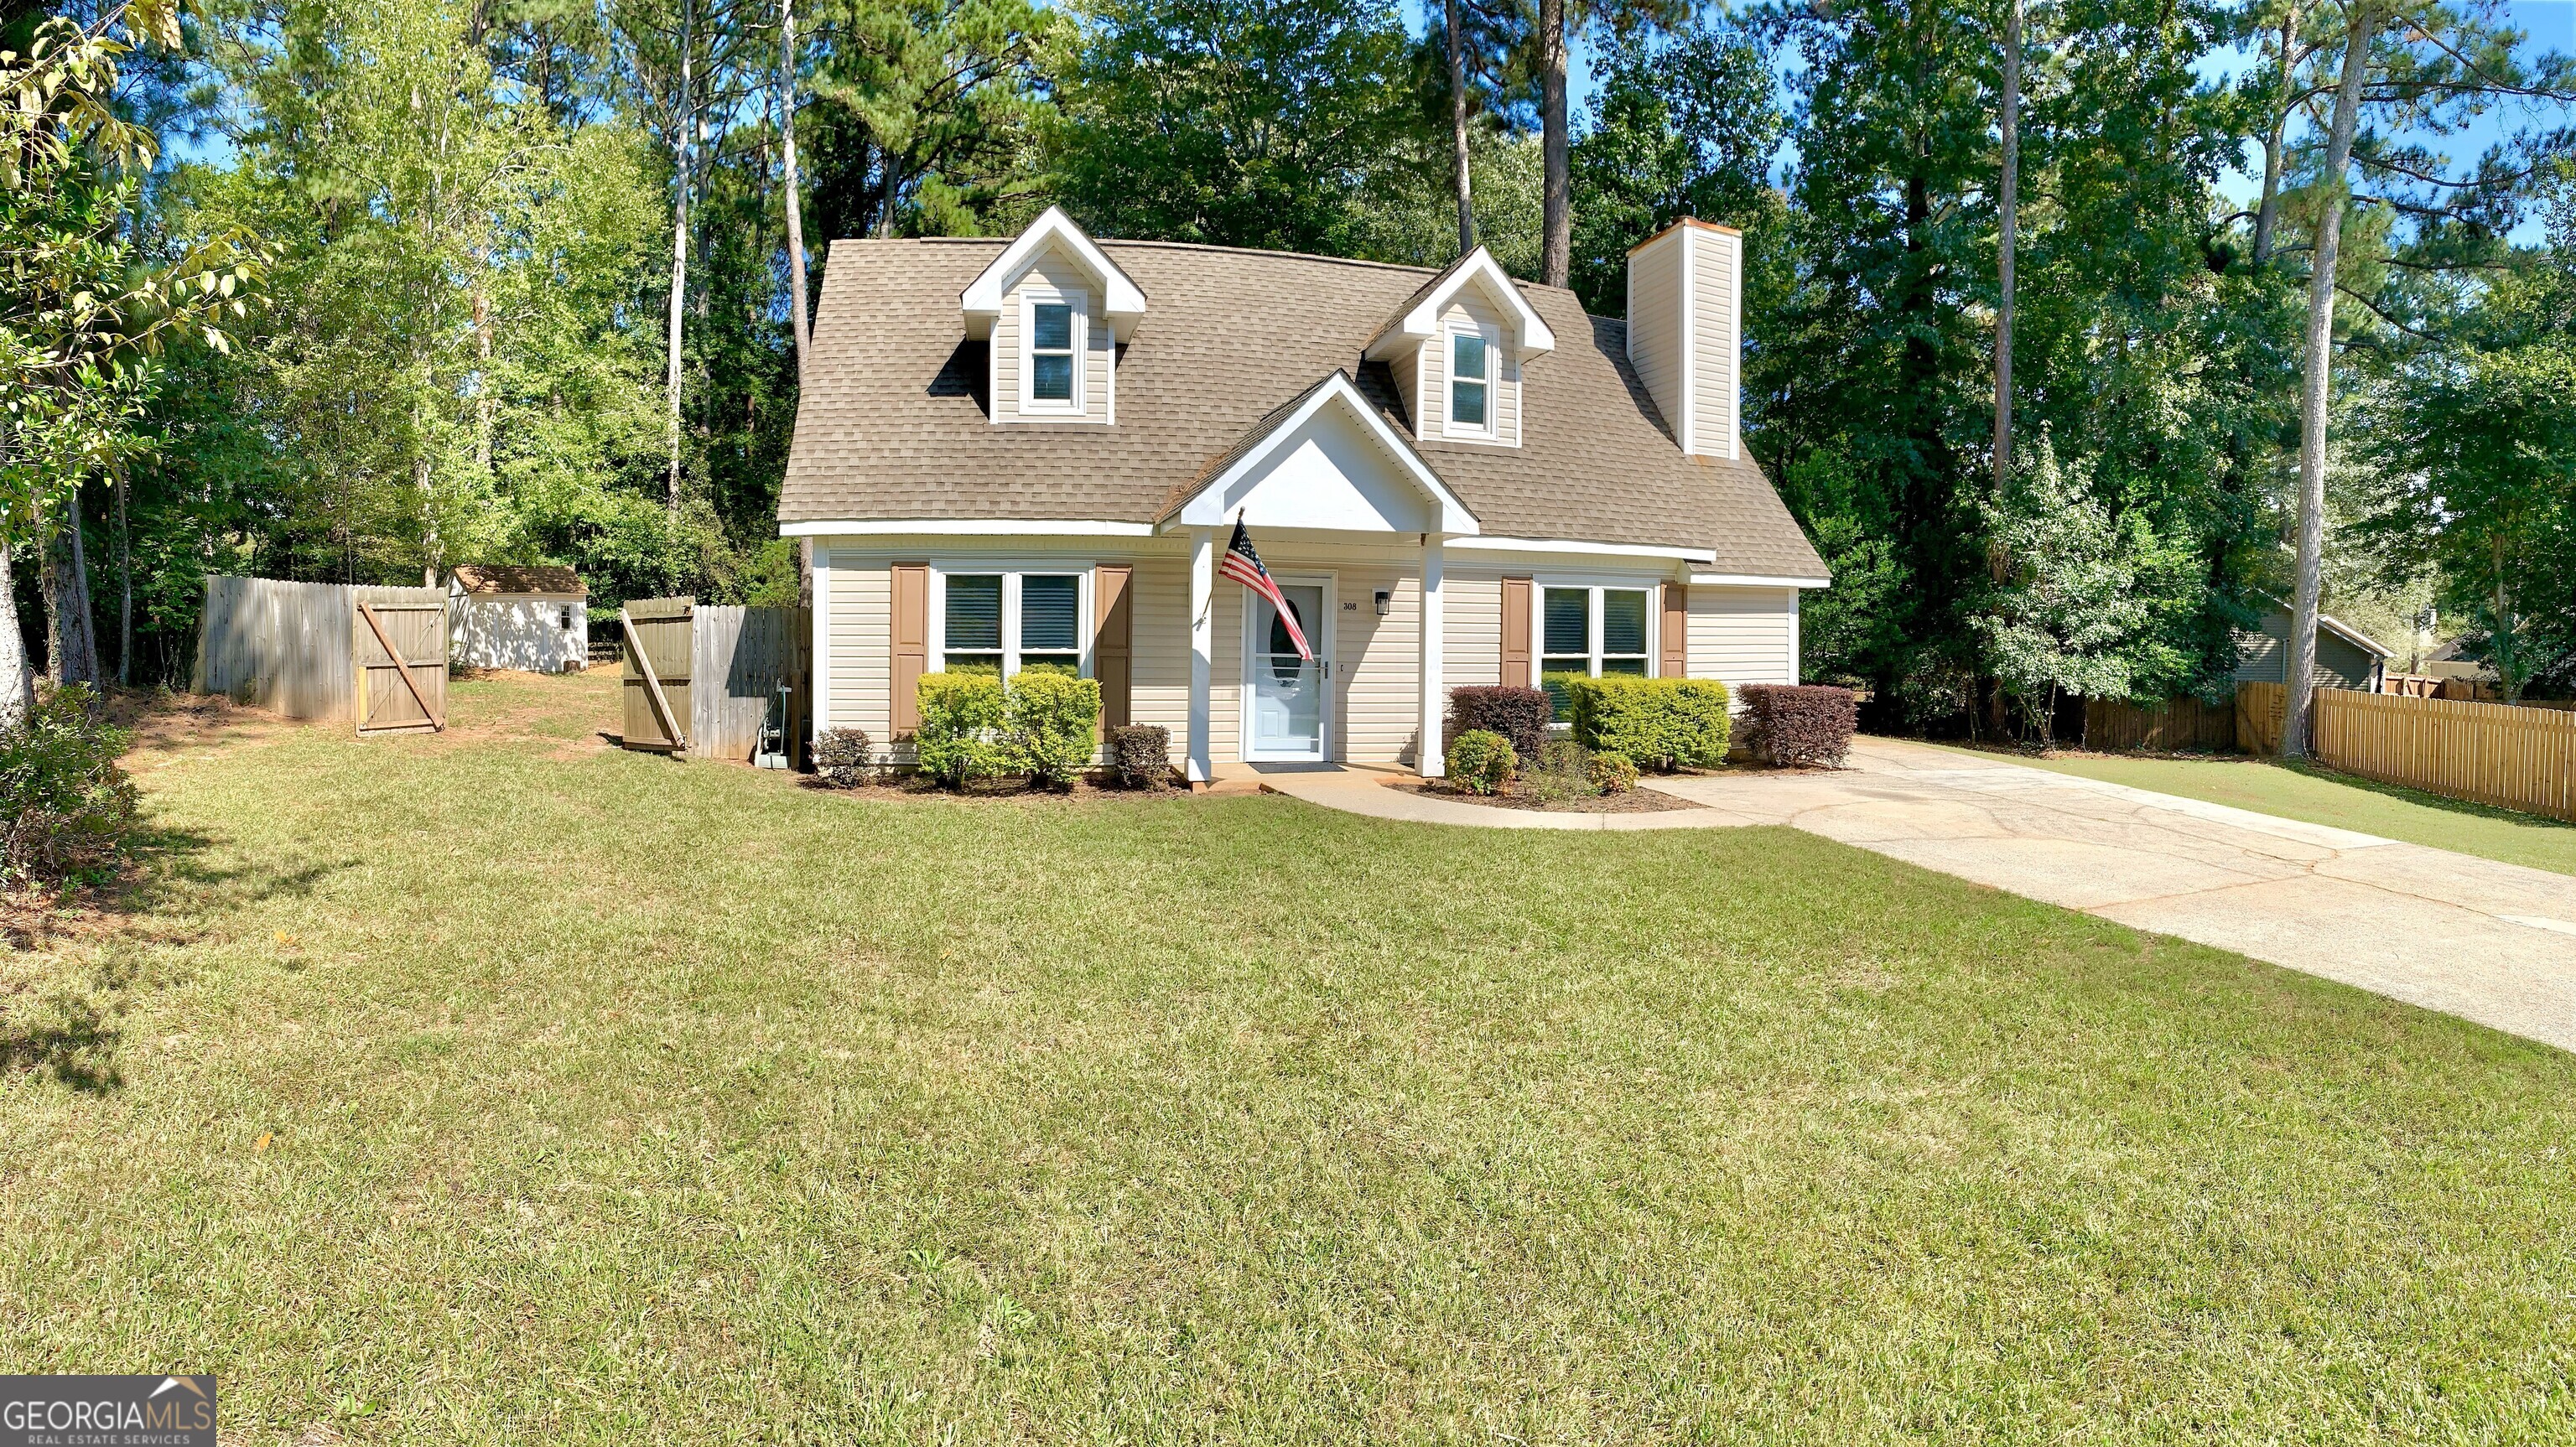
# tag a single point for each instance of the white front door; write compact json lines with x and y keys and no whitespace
{"x":1288,"y":699}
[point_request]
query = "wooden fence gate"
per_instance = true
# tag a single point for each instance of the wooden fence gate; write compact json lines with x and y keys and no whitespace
{"x":659,"y":658}
{"x":399,"y":646}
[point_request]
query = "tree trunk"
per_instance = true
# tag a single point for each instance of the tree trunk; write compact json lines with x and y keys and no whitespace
{"x":2302,"y":672}
{"x":2268,"y":212}
{"x":483,"y":366}
{"x":17,"y":680}
{"x":687,"y":127}
{"x":1556,"y":245}
{"x":1458,"y":177}
{"x":787,"y":155}
{"x":2007,"y":203}
{"x":124,"y":589}
{"x":66,"y":579}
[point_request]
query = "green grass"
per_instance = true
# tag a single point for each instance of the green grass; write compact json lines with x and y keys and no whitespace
{"x":495,"y":1088}
{"x":2321,"y":796}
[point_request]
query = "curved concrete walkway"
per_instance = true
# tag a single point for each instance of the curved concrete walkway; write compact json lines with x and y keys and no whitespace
{"x":2494,"y":943}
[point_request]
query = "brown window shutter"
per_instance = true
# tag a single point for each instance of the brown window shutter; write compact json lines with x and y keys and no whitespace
{"x":911,"y":643}
{"x":1676,"y":638}
{"x":1516,"y":633}
{"x":1112,"y":643}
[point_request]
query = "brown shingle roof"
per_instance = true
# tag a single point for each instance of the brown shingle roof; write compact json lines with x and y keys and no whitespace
{"x":503,"y":578}
{"x":894,"y":424}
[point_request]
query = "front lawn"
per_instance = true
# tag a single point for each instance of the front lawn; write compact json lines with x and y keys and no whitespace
{"x":504,"y":1088}
{"x":2322,"y":796}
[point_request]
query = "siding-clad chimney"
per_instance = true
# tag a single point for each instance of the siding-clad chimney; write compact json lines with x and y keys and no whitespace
{"x":1684,"y":310}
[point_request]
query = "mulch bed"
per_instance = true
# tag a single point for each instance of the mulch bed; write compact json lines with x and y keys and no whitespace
{"x":1635,"y":801}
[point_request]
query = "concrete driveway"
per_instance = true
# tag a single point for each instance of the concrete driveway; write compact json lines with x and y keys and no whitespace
{"x":2494,"y":943}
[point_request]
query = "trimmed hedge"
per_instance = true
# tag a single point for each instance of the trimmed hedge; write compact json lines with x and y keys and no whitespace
{"x":843,"y":758}
{"x":1481,"y":761}
{"x":960,"y":736}
{"x":1142,"y":754}
{"x":1518,"y":714}
{"x":1799,"y":724}
{"x":1663,"y":722}
{"x":1049,"y":723}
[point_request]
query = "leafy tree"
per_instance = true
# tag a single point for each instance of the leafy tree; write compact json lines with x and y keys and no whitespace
{"x":82,"y":317}
{"x":1235,"y":122}
{"x":2471,"y":453}
{"x":1684,"y":128}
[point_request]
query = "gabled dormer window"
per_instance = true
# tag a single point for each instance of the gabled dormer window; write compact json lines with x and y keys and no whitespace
{"x":1051,"y":359}
{"x":1469,"y":382}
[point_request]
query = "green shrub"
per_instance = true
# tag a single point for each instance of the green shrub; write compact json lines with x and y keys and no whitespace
{"x":1481,"y":761}
{"x":1612,"y":773}
{"x":960,"y":738}
{"x":1049,"y":719}
{"x":65,"y":807}
{"x":1659,"y":721}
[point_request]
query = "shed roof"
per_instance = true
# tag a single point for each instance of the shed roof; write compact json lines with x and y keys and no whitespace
{"x":500,"y":579}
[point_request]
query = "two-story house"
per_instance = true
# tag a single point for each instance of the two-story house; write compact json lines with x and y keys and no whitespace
{"x":1031,"y":451}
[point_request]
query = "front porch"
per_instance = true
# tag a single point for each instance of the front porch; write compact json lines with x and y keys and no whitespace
{"x":1352,"y":526}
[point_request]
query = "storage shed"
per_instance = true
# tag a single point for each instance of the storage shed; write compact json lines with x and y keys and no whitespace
{"x":2346,"y":656}
{"x":534,"y":619}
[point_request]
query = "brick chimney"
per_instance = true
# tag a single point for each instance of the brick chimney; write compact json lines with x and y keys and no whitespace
{"x":1685,"y":307}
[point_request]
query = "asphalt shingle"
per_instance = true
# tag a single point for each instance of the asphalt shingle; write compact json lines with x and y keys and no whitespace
{"x":894,"y":423}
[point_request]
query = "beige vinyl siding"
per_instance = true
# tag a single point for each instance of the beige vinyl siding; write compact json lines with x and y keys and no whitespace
{"x":1406,"y":368}
{"x":1744,"y":635}
{"x":1655,"y":322}
{"x":1713,"y":277}
{"x":1471,"y":617}
{"x":861,"y":640}
{"x":1053,"y":270}
{"x":1502,"y":370}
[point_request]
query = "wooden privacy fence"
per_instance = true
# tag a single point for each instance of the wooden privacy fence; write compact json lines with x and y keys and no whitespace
{"x":2175,"y":724}
{"x":701,"y":679}
{"x":308,"y":651}
{"x":2492,"y":753}
{"x":2260,"y":709}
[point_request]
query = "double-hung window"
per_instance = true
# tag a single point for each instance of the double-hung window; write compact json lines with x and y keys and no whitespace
{"x":1471,"y":363}
{"x":1007,"y":622}
{"x":1053,"y":363}
{"x":1587,"y":631}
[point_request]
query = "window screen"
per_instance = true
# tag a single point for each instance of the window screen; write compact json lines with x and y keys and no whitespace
{"x":1051,"y":352}
{"x":1467,"y":380}
{"x":974,"y":620}
{"x":1050,"y":622}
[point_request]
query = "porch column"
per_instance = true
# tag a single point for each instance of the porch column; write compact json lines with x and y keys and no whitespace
{"x":1202,"y":641}
{"x":1433,"y":759}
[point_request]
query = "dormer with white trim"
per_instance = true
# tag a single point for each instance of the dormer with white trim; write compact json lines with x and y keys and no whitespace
{"x":1456,"y":352}
{"x":1054,"y":309}
{"x":1685,"y":289}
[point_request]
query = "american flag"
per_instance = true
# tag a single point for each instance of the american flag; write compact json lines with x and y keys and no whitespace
{"x":1243,"y":565}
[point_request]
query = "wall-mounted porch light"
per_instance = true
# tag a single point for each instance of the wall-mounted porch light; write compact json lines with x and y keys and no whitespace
{"x":1385,"y":602}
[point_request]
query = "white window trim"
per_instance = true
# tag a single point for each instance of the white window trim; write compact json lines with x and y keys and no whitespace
{"x":1449,"y":425}
{"x":1012,"y":572}
{"x":1031,"y":298}
{"x":1653,"y":590}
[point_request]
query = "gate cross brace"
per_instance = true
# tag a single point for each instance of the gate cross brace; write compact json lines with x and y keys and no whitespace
{"x":652,"y":682}
{"x":402,"y":666}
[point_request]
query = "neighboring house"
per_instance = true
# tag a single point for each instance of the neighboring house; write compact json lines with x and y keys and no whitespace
{"x":1031,"y":450}
{"x":535,"y":619}
{"x":2346,"y":657}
